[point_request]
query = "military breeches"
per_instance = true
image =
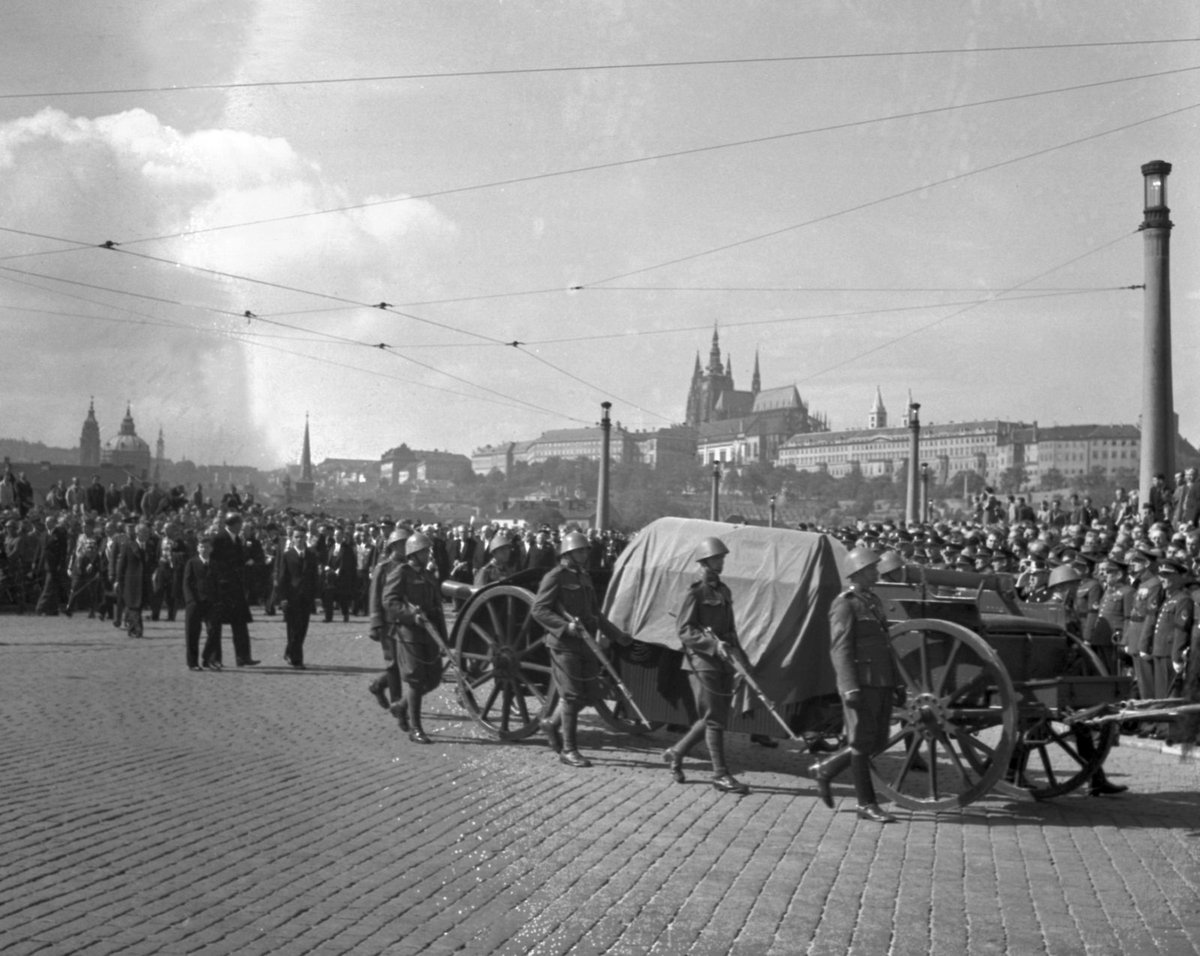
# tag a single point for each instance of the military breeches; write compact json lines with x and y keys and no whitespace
{"x":867,"y":725}
{"x":419,"y":659}
{"x":576,"y":672}
{"x":713,"y":690}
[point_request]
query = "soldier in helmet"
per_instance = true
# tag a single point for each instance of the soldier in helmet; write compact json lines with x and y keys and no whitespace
{"x":709,"y":637}
{"x":862,"y":661}
{"x":499,"y":554}
{"x":412,"y":599}
{"x":566,"y":606}
{"x":389,"y":681}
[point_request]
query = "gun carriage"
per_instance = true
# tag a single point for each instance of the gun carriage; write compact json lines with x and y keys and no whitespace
{"x":993,"y":697}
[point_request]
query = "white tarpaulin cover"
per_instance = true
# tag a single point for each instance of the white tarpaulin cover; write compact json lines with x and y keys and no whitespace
{"x":783,"y":583}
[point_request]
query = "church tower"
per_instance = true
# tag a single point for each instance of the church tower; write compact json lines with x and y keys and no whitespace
{"x":159,"y":456}
{"x":878,"y":416}
{"x":89,"y":439}
{"x":305,"y":488}
{"x":756,"y":381}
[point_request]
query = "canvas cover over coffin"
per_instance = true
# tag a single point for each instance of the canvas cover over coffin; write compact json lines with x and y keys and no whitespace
{"x":783,"y":583}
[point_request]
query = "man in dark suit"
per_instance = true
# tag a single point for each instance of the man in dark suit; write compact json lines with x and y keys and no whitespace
{"x":198,"y":606}
{"x":229,"y":578}
{"x":135,"y":567}
{"x":343,"y":561}
{"x":296,"y":591}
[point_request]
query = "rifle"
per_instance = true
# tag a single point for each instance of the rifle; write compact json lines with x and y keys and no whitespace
{"x":594,"y":647}
{"x":735,"y":657}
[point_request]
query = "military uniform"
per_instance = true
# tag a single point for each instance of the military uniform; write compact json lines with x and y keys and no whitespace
{"x":1148,"y":598}
{"x":1109,"y":635}
{"x":568,"y":590}
{"x":1172,"y":632}
{"x":862,"y":662}
{"x":407,"y":593}
{"x":566,"y":593}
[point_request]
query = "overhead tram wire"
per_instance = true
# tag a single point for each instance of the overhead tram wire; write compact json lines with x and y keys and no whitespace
{"x":946,"y":318}
{"x":595,"y":67}
{"x":958,"y":177}
{"x":247,"y":338}
{"x":616,"y":164}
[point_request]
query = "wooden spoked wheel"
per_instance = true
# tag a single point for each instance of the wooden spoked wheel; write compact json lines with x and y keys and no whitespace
{"x":500,"y":650}
{"x":1051,"y":757}
{"x":955,"y":733}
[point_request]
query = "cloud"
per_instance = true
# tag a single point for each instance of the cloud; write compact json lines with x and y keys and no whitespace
{"x":158,"y":334}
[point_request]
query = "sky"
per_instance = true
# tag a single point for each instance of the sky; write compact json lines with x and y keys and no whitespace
{"x":455,"y":224}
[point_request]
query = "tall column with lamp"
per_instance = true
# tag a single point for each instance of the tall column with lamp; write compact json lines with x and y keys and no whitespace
{"x":1158,"y":413}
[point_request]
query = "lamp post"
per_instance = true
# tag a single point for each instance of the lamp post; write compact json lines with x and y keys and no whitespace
{"x":914,"y":452}
{"x":772,"y":524}
{"x":1158,"y":413}
{"x":716,"y":492}
{"x":924,"y":491}
{"x":602,"y":485}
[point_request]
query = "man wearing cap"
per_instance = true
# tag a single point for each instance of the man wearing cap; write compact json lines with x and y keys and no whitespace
{"x":230,"y":606}
{"x":296,"y":592}
{"x":1148,"y":598}
{"x":1087,"y":596}
{"x":709,"y":637}
{"x":1172,"y":628}
{"x":566,"y":606}
{"x":862,"y":661}
{"x":1116,"y":605}
{"x":412,"y":599}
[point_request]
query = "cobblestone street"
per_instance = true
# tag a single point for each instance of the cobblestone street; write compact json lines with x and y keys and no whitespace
{"x":149,"y":809}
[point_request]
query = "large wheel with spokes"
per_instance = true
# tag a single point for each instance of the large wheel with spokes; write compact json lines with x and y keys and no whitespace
{"x":504,"y":680}
{"x":1051,"y":757}
{"x":957,"y":728}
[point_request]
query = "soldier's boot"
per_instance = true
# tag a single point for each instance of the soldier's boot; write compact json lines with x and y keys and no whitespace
{"x":416,"y":734}
{"x":550,"y":727}
{"x":864,"y":789}
{"x":378,"y":689}
{"x":723,"y":780}
{"x":673,"y":756}
{"x":570,"y":723}
{"x":826,"y":770}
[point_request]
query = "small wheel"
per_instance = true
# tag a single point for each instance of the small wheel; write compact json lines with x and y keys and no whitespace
{"x":957,"y":726}
{"x":504,"y":666}
{"x":1051,"y":757}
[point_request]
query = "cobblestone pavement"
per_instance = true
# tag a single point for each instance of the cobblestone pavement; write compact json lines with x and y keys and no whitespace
{"x":148,"y":809}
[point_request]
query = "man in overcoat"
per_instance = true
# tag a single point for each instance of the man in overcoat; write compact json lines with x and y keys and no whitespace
{"x":229,"y":568}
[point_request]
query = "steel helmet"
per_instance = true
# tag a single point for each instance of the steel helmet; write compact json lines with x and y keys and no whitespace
{"x":498,"y":542}
{"x":575,"y":541}
{"x":396,"y":537}
{"x":860,"y":558}
{"x":711,"y":548}
{"x":1064,"y":574}
{"x":415,"y":544}
{"x":890,"y":561}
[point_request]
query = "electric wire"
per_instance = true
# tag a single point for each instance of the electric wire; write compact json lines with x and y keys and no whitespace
{"x":595,"y":67}
{"x":958,"y":177}
{"x":615,"y":164}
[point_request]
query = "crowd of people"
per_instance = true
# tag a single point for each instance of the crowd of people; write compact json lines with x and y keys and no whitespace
{"x":1124,"y":578}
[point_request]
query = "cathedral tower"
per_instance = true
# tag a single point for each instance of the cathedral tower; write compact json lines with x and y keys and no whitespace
{"x":305,"y":488}
{"x":89,"y":439}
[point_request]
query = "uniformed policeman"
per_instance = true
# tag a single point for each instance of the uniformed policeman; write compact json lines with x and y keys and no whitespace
{"x":1116,"y":604}
{"x":1087,"y":596}
{"x":1147,"y":600}
{"x":413,"y":603}
{"x":566,"y":606}
{"x":387,"y":683}
{"x":709,"y":637}
{"x":862,"y":661}
{"x":1172,"y":628}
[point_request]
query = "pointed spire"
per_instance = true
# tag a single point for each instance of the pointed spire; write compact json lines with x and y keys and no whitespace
{"x":91,"y":416}
{"x":306,"y":471}
{"x":756,"y":381}
{"x":714,"y":353}
{"x":878,"y":416}
{"x":127,"y":423}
